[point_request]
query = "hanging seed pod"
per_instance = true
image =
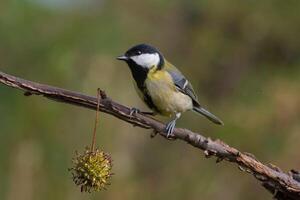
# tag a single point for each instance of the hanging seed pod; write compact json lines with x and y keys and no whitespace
{"x":91,"y":170}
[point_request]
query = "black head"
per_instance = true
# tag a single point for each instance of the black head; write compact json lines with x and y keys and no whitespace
{"x":143,"y":55}
{"x":141,"y":49}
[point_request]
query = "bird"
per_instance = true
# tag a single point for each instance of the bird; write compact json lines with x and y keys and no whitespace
{"x":163,"y":88}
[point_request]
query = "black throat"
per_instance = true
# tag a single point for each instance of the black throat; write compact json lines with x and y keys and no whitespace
{"x":139,"y":74}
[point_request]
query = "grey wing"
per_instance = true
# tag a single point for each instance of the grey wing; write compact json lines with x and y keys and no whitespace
{"x":183,"y":85}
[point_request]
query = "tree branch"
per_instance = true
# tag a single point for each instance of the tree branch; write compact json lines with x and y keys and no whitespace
{"x":281,"y":185}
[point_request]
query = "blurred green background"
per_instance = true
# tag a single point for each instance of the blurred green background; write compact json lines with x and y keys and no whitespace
{"x":241,"y":56}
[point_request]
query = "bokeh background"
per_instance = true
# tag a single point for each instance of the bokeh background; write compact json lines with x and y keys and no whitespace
{"x":241,"y":56}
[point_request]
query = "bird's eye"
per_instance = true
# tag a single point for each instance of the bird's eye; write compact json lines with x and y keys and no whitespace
{"x":138,"y":52}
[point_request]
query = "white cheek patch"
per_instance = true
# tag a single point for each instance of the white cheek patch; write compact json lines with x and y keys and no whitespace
{"x":146,"y":60}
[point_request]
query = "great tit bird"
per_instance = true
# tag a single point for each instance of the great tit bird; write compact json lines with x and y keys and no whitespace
{"x":162,"y":86}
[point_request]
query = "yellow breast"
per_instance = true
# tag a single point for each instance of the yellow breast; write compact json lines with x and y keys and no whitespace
{"x":164,"y":94}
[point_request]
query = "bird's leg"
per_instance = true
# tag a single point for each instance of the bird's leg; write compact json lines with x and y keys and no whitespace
{"x":171,"y":125}
{"x":134,"y":110}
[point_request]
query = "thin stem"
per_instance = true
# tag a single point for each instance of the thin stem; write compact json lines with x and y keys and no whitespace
{"x":96,"y":121}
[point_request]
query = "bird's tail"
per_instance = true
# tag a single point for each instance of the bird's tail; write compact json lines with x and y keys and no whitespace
{"x":208,"y":115}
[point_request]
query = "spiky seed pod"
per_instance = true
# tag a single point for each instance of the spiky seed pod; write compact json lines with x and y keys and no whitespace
{"x":91,"y":170}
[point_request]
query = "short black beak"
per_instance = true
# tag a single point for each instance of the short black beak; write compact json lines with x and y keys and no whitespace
{"x":123,"y":57}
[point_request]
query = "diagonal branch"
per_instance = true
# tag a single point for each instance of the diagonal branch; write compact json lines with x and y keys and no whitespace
{"x":282,"y":185}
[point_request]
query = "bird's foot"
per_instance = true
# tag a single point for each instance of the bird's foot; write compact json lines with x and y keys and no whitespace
{"x":133,"y":111}
{"x":170,"y":128}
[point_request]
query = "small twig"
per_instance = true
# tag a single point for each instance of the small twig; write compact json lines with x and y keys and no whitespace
{"x":96,"y":121}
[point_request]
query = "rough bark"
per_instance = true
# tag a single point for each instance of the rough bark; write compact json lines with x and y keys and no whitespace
{"x":282,"y":185}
